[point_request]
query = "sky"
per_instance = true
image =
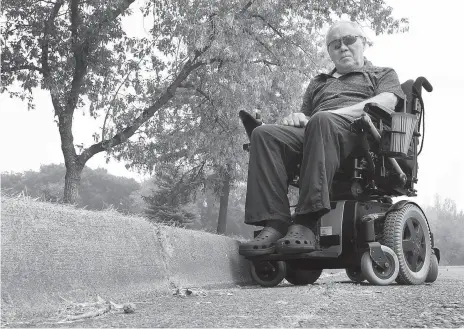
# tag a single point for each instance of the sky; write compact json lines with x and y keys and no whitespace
{"x":432,"y":48}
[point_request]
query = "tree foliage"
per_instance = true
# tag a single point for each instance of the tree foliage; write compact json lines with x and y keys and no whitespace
{"x":447,"y":224}
{"x":169,"y":198}
{"x":201,"y":62}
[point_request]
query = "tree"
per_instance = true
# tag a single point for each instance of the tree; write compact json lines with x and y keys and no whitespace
{"x":78,"y":51}
{"x":169,"y":198}
{"x":447,"y":225}
{"x":207,"y":205}
{"x":45,"y":184}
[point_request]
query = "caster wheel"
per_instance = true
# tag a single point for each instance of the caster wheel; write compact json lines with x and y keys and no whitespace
{"x":406,"y":231}
{"x":302,"y":277}
{"x":375,"y":274}
{"x":433,"y":270}
{"x":268,"y":273}
{"x":355,"y":274}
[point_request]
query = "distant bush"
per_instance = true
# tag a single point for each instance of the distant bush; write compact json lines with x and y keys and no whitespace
{"x":447,"y":224}
{"x":98,"y":189}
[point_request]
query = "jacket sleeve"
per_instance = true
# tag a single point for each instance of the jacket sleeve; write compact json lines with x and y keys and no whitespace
{"x":307,"y":106}
{"x":388,"y":82}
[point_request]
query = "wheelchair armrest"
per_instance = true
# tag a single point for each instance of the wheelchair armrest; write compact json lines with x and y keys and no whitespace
{"x":378,"y":111}
{"x":249,"y":122}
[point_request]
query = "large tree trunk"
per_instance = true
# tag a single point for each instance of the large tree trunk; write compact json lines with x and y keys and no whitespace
{"x":72,"y":162}
{"x":223,"y":204}
{"x":72,"y":181}
{"x":210,"y":219}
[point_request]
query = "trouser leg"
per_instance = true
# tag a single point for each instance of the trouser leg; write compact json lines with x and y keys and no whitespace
{"x":328,"y":140}
{"x":275,"y":151}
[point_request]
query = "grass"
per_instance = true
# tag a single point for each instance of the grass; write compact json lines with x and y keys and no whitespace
{"x":109,"y":211}
{"x":48,"y":248}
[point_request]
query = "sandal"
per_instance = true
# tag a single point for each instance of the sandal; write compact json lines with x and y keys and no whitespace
{"x":299,"y":239}
{"x":262,"y":244}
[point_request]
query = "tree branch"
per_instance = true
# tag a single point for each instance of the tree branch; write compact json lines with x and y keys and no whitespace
{"x":280,"y":34}
{"x":269,"y":24}
{"x":244,"y":9}
{"x":49,"y":24}
{"x":124,"y":135}
{"x":188,"y":67}
{"x":80,"y":52}
{"x":112,"y":15}
{"x":201,"y":92}
{"x":82,"y":49}
{"x":24,"y":67}
{"x":265,"y":62}
{"x":114,"y":97}
{"x":268,"y":49}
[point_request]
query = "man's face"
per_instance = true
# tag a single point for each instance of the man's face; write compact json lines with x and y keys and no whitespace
{"x":345,"y":57}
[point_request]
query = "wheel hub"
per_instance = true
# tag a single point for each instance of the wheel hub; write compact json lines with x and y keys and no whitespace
{"x":266,"y":270}
{"x":414,"y":246}
{"x":388,"y":271}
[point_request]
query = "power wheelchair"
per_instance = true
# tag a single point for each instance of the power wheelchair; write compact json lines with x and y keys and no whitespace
{"x":365,"y":233}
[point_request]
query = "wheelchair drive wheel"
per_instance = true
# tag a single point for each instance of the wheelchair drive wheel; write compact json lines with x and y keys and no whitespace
{"x":407,"y":232}
{"x":376,"y":274}
{"x":301,"y":277}
{"x":268,"y":273}
{"x":433,"y":270}
{"x":355,"y":274}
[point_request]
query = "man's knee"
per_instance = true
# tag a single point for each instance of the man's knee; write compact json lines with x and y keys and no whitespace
{"x":322,"y":119}
{"x":263,"y":132}
{"x":321,"y":116}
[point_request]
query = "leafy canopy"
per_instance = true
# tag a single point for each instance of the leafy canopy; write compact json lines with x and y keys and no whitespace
{"x":173,"y":94}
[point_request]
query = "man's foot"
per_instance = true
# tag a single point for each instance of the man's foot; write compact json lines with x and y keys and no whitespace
{"x":300,"y":238}
{"x":264,"y":242}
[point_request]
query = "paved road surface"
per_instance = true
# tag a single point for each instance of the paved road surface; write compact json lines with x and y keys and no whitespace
{"x":332,"y":301}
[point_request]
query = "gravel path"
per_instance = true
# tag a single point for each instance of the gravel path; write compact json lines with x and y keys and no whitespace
{"x":332,"y":302}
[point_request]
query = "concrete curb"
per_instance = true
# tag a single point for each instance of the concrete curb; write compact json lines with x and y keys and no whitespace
{"x":51,"y":251}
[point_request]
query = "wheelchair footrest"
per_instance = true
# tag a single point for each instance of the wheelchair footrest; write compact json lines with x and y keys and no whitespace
{"x":319,"y":253}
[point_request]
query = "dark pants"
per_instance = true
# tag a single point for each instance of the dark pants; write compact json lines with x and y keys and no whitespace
{"x":276,"y":150}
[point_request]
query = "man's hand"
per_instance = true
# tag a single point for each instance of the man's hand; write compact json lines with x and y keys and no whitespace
{"x":297,"y":119}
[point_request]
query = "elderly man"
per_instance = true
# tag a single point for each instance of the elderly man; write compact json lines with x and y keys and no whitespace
{"x":320,"y":138}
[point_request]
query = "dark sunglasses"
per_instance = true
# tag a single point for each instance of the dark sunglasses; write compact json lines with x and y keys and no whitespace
{"x":347,"y":40}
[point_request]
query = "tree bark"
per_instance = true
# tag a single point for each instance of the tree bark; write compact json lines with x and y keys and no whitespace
{"x":73,"y":166}
{"x":71,"y":184}
{"x":223,"y":205}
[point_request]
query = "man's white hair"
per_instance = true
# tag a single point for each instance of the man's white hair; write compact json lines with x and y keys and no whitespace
{"x":353,"y":24}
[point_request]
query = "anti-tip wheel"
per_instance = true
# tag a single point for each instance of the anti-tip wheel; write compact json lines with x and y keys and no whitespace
{"x":375,"y":274}
{"x":355,"y":274}
{"x":268,"y":273}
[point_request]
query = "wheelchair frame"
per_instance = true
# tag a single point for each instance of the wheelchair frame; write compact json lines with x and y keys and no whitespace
{"x":355,"y":224}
